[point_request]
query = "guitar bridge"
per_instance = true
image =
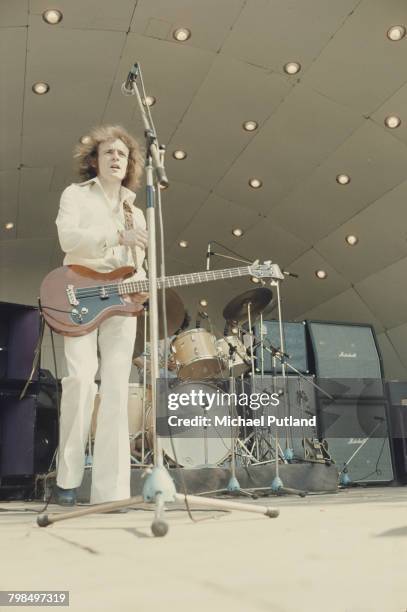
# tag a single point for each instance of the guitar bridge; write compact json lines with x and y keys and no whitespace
{"x":70,"y":292}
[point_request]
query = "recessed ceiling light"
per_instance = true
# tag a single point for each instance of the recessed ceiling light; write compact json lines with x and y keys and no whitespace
{"x":9,"y":226}
{"x":149,"y":101}
{"x":250,"y":126}
{"x":179,"y":154}
{"x":183,"y":244}
{"x":85,"y":139}
{"x":238,"y":232}
{"x":255,"y":280}
{"x":52,"y":16}
{"x":203,"y":303}
{"x":181,"y":34}
{"x":255,"y":183}
{"x":321,"y":274}
{"x":392,"y":121}
{"x":352,"y":240}
{"x":343,"y":179}
{"x":396,"y":32}
{"x":292,"y":67}
{"x":40,"y":88}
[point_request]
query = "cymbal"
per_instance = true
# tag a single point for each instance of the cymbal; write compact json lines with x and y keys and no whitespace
{"x":175,"y":316}
{"x":236,"y":309}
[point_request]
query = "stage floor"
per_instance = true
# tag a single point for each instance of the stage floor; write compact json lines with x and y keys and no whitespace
{"x":340,"y":552}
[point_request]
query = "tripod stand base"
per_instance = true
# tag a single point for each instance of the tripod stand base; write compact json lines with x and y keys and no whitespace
{"x":277,"y":484}
{"x":344,"y":478}
{"x":159,"y":483}
{"x":233,"y":485}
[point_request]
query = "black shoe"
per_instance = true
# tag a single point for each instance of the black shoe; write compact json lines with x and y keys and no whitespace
{"x":64,"y":497}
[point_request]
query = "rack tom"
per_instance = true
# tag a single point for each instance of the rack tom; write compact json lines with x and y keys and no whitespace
{"x":196,"y":355}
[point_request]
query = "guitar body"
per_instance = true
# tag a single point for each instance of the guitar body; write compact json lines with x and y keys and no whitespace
{"x":96,"y":301}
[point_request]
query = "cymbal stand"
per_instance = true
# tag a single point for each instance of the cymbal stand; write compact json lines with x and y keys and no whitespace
{"x":233,"y":484}
{"x":249,"y":318}
{"x":280,"y":452}
{"x":276,"y":353}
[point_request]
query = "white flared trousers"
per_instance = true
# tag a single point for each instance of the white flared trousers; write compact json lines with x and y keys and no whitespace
{"x":111,"y":457}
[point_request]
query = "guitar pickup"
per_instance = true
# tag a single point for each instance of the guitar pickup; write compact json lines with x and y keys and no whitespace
{"x":70,"y":292}
{"x":103,"y":294}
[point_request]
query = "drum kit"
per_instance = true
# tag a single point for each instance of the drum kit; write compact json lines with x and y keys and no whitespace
{"x":203,"y":363}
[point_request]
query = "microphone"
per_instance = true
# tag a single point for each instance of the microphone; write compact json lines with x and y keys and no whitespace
{"x":208,"y":256}
{"x":127,"y":87}
{"x":287,"y":273}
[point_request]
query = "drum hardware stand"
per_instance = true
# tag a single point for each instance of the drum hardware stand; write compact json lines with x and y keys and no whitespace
{"x":279,"y":354}
{"x":233,"y":485}
{"x":278,"y":452}
{"x":239,"y":259}
{"x":143,"y":421}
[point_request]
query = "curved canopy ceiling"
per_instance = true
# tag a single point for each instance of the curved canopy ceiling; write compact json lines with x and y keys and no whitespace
{"x":326,"y":120}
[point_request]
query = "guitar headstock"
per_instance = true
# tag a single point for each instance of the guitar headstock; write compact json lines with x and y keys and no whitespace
{"x":266,"y":270}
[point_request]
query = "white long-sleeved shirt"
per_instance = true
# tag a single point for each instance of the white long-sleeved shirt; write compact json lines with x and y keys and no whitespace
{"x":88,"y":225}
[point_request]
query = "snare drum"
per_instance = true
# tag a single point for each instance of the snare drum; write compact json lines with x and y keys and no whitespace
{"x":240,"y":358}
{"x":196,"y":355}
{"x":209,"y":445}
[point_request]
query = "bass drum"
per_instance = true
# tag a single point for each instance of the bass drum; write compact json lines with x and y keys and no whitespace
{"x":207,"y":446}
{"x":135,"y":415}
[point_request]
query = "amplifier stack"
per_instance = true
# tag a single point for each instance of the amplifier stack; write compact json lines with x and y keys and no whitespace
{"x":28,"y":427}
{"x":350,"y":397}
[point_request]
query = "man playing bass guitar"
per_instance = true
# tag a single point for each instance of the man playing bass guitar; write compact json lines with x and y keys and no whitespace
{"x":100,"y":228}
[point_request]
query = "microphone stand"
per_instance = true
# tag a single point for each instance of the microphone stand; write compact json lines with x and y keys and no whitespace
{"x":159,"y":486}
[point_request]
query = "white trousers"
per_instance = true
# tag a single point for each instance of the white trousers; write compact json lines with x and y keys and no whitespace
{"x":111,"y":458}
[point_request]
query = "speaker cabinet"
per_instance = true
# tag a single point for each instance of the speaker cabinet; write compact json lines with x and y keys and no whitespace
{"x":19,"y":334}
{"x":297,"y":400}
{"x":294,"y":343}
{"x":397,"y":396}
{"x":347,"y":359}
{"x":28,"y":433}
{"x":345,"y":350}
{"x":357,"y":434}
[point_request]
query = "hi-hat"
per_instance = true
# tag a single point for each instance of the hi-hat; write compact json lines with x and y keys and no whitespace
{"x":175,"y":316}
{"x":237,"y":309}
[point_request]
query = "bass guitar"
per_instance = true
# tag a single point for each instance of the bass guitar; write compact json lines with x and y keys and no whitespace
{"x":74,"y":300}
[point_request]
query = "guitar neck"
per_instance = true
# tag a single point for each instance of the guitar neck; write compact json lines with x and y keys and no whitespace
{"x":181,"y":280}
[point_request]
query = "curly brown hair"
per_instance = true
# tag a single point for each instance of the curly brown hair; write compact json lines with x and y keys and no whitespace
{"x":86,"y":153}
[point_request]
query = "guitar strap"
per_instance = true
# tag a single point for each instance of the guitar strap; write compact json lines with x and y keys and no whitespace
{"x":128,"y":225}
